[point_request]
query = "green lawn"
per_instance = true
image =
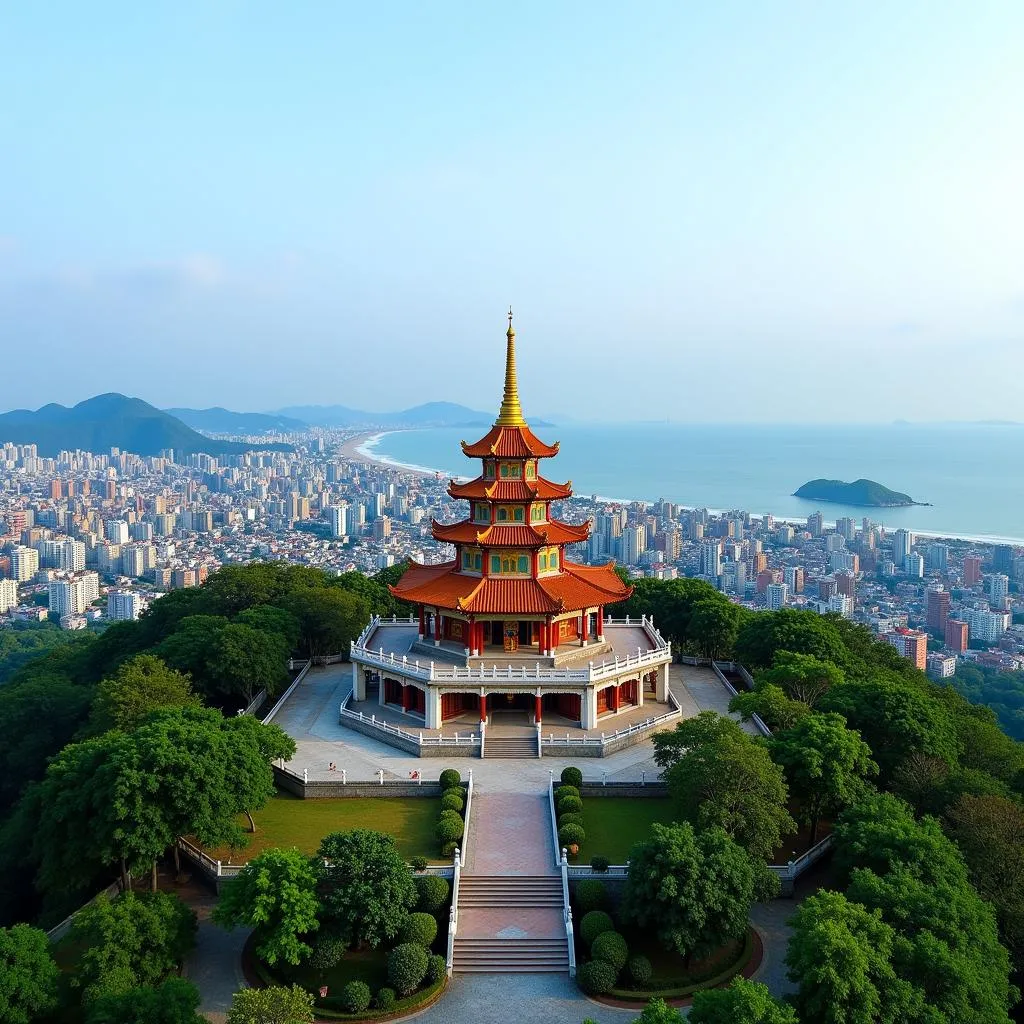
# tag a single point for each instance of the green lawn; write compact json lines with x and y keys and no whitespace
{"x":287,"y":821}
{"x":614,"y":824}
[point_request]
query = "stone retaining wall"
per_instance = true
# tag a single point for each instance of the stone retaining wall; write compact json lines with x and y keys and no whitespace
{"x":320,"y":789}
{"x":623,"y":789}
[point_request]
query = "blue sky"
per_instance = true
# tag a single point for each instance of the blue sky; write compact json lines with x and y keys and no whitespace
{"x":730,"y":211}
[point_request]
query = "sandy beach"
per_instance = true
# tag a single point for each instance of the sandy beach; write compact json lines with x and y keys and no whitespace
{"x":351,"y":449}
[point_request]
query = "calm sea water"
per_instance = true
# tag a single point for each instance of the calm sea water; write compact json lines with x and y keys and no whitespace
{"x":973,"y":475}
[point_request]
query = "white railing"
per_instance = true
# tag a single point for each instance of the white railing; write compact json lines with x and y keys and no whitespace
{"x":585,"y":871}
{"x":287,"y":693}
{"x":631,"y":730}
{"x":554,"y":822}
{"x":795,"y":868}
{"x":756,"y":719}
{"x":254,"y":703}
{"x":567,"y":914}
{"x":213,"y":868}
{"x":453,"y":913}
{"x":58,"y":931}
{"x":431,"y":672}
{"x":417,"y":737}
{"x":465,"y":817}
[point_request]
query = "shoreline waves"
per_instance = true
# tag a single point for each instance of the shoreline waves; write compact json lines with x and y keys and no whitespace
{"x":366,"y":447}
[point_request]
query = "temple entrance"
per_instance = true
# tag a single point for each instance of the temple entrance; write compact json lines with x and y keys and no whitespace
{"x":557,"y":706}
{"x":511,"y":708}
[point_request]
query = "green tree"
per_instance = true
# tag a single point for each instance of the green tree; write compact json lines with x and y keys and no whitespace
{"x":657,"y":1011}
{"x":268,"y":618}
{"x":328,"y":619}
{"x":896,"y":720}
{"x":770,"y":704}
{"x":947,"y":943}
{"x":797,"y":631}
{"x":802,"y":677}
{"x":273,"y":1005}
{"x":247,"y":660}
{"x":826,"y":766}
{"x":252,"y":746}
{"x":714,"y":623}
{"x":881,"y":833}
{"x":28,"y":975}
{"x":192,"y":648}
{"x":719,"y":775}
{"x":140,"y":686}
{"x":989,"y":830}
{"x":841,"y":958}
{"x":693,"y":889}
{"x":174,"y":1001}
{"x":743,"y":1002}
{"x":131,"y":941}
{"x":275,"y":895}
{"x":366,"y":888}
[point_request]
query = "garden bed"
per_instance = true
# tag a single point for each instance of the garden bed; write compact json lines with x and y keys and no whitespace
{"x":287,"y":822}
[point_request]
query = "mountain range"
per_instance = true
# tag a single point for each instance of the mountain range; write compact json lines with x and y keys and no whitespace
{"x":112,"y":421}
{"x":224,"y":421}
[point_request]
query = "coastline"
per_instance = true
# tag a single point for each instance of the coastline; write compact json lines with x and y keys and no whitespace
{"x":361,"y":449}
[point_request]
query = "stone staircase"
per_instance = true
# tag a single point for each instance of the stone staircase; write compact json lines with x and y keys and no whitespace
{"x":510,"y":746}
{"x":511,"y":950}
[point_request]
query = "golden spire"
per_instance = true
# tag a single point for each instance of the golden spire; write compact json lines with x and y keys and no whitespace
{"x":511,"y":412}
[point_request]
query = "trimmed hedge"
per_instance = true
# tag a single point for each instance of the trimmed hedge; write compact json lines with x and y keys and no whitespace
{"x":452,"y":801}
{"x":599,"y":863}
{"x":437,"y":968}
{"x":640,"y":970}
{"x":571,"y":835}
{"x":594,"y":924}
{"x":355,"y":997}
{"x":448,"y":849}
{"x":449,"y":830}
{"x":570,"y":818}
{"x":421,"y":928}
{"x":433,"y":891}
{"x":591,"y":894}
{"x":611,"y":946}
{"x":572,"y":776}
{"x":569,"y":804}
{"x":449,"y":777}
{"x":384,"y":999}
{"x":407,"y":967}
{"x":448,"y":812}
{"x":564,"y":791}
{"x":596,"y":977}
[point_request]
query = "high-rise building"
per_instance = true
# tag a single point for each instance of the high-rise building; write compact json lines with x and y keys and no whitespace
{"x":123,"y":605}
{"x":911,"y":643}
{"x":937,"y":609}
{"x":24,"y":563}
{"x":776,"y":595}
{"x":956,"y":635}
{"x":784,"y":535}
{"x":337,"y":516}
{"x":902,"y":542}
{"x":914,"y":565}
{"x":73,"y":595}
{"x":8,"y":595}
{"x":711,"y":559}
{"x":846,"y":528}
{"x":984,"y":625}
{"x":972,"y":570}
{"x":1002,"y":558}
{"x":938,"y":557}
{"x":997,"y":586}
{"x":116,"y":531}
{"x":815,"y":522}
{"x":941,"y":666}
{"x":634,"y":543}
{"x":793,"y":575}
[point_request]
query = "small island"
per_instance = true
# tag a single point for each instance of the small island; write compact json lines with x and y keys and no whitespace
{"x":861,"y":492}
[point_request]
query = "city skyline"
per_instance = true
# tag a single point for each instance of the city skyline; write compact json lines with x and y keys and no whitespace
{"x":249,"y":208}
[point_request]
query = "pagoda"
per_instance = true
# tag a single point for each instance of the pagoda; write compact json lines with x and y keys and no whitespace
{"x":510,"y":587}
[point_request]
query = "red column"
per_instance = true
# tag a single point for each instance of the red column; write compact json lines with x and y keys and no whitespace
{"x":405,"y":697}
{"x":483,"y":707}
{"x":600,"y":623}
{"x":586,"y":626}
{"x":537,"y":710}
{"x":613,"y":704}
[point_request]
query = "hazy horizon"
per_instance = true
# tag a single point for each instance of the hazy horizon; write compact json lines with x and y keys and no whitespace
{"x":792,"y":215}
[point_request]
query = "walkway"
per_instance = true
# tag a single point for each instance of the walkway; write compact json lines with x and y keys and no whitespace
{"x":215,"y":965}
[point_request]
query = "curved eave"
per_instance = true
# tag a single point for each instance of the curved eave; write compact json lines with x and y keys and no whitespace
{"x":510,"y":535}
{"x":510,"y":442}
{"x":510,"y":490}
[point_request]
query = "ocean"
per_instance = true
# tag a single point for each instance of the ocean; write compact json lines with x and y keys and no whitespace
{"x":972,"y":475}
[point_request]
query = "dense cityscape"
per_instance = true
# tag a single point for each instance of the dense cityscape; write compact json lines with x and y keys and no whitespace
{"x":87,"y":538}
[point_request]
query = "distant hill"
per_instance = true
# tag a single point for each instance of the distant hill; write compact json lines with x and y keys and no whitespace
{"x":111,"y":421}
{"x":861,"y":492}
{"x":224,"y":421}
{"x":432,"y":414}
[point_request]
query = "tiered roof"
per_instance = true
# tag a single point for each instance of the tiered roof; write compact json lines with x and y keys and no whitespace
{"x":570,"y":587}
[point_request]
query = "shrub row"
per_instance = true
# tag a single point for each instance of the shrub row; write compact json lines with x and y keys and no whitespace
{"x":568,"y":808}
{"x":609,"y":952}
{"x":450,"y":826}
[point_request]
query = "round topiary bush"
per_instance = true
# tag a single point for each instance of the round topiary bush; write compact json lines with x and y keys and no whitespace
{"x":449,"y":830}
{"x":596,"y":923}
{"x":564,"y":791}
{"x":590,"y":894}
{"x":596,"y":977}
{"x":570,"y":805}
{"x":449,"y":777}
{"x":433,"y":892}
{"x":355,"y":997}
{"x":407,"y":967}
{"x":328,"y":949}
{"x":571,"y":835}
{"x":418,"y":863}
{"x":447,"y":812}
{"x":421,"y":928}
{"x":599,"y":863}
{"x":572,"y":776}
{"x":610,"y":946}
{"x":437,"y":968}
{"x":452,"y":801}
{"x":384,"y":999}
{"x":448,"y":849}
{"x":640,"y":970}
{"x":570,"y":818}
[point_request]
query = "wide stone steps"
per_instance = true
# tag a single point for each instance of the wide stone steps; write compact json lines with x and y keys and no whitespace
{"x":510,"y":956}
{"x":510,"y":891}
{"x":510,"y":746}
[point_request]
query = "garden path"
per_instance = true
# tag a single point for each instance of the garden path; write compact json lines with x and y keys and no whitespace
{"x":215,"y":965}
